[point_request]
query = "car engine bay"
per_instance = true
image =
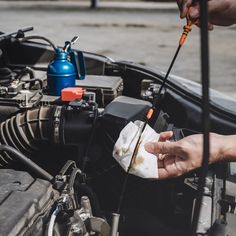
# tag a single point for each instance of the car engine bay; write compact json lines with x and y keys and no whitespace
{"x":58,"y":176}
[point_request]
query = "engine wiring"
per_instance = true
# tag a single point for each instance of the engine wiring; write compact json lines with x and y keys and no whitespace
{"x":24,"y":39}
{"x":53,"y":219}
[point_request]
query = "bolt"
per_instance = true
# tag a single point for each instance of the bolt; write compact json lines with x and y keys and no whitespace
{"x":75,"y":229}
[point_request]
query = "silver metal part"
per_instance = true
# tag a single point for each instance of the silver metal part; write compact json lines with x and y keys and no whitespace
{"x":69,"y":44}
{"x":78,"y":227}
{"x":204,"y":222}
{"x":115,"y":224}
{"x":100,"y":226}
{"x":85,"y":204}
{"x":56,"y":124}
{"x":74,"y":40}
{"x":92,"y":96}
{"x":193,"y":183}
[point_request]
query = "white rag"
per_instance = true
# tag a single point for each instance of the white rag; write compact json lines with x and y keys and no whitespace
{"x":145,"y":164}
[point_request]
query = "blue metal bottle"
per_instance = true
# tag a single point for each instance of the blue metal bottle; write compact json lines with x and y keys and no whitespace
{"x":61,"y":73}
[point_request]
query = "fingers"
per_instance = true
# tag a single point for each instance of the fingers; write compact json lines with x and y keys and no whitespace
{"x":167,"y":168}
{"x":184,"y":6}
{"x":165,"y":136}
{"x":160,"y":163}
{"x":194,"y":13}
{"x":163,"y":173}
{"x":210,"y":26}
{"x":162,"y":148}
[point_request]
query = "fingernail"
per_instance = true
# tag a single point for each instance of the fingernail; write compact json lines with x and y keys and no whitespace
{"x":149,"y":147}
{"x":193,"y":12}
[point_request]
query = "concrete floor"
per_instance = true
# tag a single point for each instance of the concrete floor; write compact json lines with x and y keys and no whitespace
{"x":146,"y":36}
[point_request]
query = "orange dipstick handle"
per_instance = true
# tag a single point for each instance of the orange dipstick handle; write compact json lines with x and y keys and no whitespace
{"x":187,"y":29}
{"x":150,"y":113}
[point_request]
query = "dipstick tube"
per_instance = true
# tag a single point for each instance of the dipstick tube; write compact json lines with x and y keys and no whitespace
{"x":148,"y":117}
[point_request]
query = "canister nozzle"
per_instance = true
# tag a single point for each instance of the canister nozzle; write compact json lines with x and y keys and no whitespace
{"x":68,"y":44}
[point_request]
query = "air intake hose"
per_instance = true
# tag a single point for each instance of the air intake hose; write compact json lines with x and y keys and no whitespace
{"x":24,"y":130}
{"x":54,"y":124}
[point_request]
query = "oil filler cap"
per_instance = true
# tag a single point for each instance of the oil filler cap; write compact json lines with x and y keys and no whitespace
{"x":70,"y":94}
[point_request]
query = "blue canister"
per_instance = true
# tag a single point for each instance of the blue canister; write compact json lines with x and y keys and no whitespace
{"x":61,"y":73}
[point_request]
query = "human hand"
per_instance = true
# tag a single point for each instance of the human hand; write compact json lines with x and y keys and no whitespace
{"x":185,"y":155}
{"x":221,"y":12}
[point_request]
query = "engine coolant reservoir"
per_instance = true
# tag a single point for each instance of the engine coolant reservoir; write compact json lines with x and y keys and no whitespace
{"x":61,"y":73}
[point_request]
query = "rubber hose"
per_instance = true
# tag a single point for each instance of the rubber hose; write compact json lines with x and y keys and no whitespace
{"x":24,"y":130}
{"x":27,"y":162}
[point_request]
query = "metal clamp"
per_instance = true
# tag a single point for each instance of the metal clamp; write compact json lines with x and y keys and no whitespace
{"x":56,"y":125}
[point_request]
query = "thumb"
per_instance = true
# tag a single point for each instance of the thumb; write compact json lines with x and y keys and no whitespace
{"x":161,"y":148}
{"x":165,"y":136}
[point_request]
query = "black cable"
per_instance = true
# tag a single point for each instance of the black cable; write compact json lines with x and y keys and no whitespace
{"x":76,"y":172}
{"x":33,"y":80}
{"x":38,"y":37}
{"x":25,"y":71}
{"x":35,"y":104}
{"x":205,"y":111}
{"x":19,"y":32}
{"x":27,"y":162}
{"x":69,"y":164}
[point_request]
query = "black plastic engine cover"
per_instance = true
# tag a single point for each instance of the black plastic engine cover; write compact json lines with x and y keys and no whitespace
{"x":24,"y":203}
{"x":120,"y":112}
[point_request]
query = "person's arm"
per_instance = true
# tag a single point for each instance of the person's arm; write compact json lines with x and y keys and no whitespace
{"x":221,"y":12}
{"x":229,"y":148}
{"x":185,"y":155}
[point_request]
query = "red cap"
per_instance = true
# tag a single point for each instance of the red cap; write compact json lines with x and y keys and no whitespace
{"x":70,"y":94}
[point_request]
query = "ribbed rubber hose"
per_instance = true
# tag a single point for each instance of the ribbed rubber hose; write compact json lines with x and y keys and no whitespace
{"x":25,"y":130}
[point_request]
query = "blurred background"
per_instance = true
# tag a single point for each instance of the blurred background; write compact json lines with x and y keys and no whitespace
{"x":145,"y":32}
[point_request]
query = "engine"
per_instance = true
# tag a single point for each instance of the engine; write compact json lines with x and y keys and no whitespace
{"x":58,"y":127}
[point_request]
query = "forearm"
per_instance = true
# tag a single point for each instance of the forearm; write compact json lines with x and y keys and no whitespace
{"x":232,"y":11}
{"x":228,"y":150}
{"x":222,"y":12}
